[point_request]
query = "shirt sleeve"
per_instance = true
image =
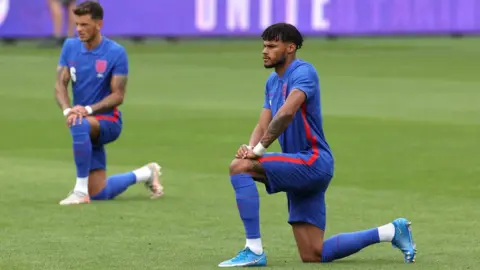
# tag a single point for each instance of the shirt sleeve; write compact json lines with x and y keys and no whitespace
{"x":63,"y":61}
{"x":121,"y":66}
{"x":305,"y":79}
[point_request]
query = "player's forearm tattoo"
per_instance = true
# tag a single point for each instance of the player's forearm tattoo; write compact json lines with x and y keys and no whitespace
{"x":61,"y":87}
{"x":119,"y":83}
{"x":119,"y":86}
{"x":278,"y":124}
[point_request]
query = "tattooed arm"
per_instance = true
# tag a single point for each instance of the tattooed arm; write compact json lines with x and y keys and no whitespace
{"x":61,"y":87}
{"x":304,"y":81}
{"x":283,"y":117}
{"x":119,"y":86}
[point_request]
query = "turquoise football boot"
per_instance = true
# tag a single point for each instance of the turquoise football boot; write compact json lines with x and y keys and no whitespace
{"x":246,"y":258}
{"x":403,"y":239}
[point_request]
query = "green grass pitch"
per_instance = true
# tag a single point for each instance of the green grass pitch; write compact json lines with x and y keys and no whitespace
{"x":401,"y":115}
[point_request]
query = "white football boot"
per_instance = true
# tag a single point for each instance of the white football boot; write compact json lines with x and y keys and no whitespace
{"x":153,"y":183}
{"x":75,"y":197}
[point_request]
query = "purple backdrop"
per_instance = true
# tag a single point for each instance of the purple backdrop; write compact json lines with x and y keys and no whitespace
{"x":30,"y":18}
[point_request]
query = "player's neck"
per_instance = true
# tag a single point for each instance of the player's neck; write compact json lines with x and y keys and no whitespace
{"x":90,"y":45}
{"x":280,"y":70}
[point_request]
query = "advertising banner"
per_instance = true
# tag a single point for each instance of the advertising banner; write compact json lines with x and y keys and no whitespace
{"x":177,"y":18}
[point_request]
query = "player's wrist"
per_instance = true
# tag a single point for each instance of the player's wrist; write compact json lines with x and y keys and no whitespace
{"x":259,"y":149}
{"x":89,"y":109}
{"x":66,"y":111}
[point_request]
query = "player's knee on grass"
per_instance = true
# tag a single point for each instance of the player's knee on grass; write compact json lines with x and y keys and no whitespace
{"x":97,"y":180}
{"x":311,"y":255}
{"x":309,"y":242}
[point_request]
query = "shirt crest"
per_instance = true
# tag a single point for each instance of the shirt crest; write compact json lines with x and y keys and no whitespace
{"x":100,"y":67}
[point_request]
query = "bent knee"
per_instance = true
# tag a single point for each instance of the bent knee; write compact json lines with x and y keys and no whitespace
{"x":239,"y":166}
{"x":311,"y":256}
{"x":80,"y":127}
{"x":97,"y":181}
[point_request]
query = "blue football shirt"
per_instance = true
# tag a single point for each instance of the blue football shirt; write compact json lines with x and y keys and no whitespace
{"x":305,"y":132}
{"x":91,"y":71}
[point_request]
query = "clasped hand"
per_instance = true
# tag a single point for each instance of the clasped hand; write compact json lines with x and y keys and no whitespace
{"x":245,"y":152}
{"x":76,"y":115}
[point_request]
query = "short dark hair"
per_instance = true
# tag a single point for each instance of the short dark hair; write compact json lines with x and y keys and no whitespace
{"x":92,"y":8}
{"x":283,"y":32}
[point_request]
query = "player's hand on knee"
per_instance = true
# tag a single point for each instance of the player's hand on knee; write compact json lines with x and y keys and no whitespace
{"x":76,"y":115}
{"x":80,"y":110}
{"x":73,"y":119}
{"x":242,"y":151}
{"x":250,"y":154}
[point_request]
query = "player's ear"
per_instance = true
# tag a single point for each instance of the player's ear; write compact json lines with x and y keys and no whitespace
{"x":99,"y":24}
{"x":291,"y":47}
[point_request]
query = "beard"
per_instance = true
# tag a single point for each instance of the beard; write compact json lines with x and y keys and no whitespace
{"x":91,"y":38}
{"x":279,"y":62}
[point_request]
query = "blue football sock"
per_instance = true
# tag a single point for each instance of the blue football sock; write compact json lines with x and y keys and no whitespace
{"x":345,"y":244}
{"x":248,"y":203}
{"x":116,"y":184}
{"x":82,"y":148}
